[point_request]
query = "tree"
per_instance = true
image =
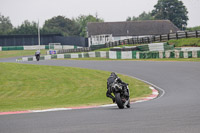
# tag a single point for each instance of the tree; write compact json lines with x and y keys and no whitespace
{"x":142,"y":16}
{"x":128,"y":19}
{"x":5,"y":25}
{"x":173,"y":10}
{"x":26,"y":28}
{"x":82,"y":20}
{"x":62,"y":25}
{"x":145,"y":16}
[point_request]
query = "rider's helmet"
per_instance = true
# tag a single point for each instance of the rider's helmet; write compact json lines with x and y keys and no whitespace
{"x":113,"y":75}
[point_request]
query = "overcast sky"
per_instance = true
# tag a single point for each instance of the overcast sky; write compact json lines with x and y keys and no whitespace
{"x":109,"y":10}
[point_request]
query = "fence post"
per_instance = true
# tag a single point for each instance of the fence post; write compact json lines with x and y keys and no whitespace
{"x":196,"y":33}
{"x":167,"y":36}
{"x":160,"y":38}
{"x":154,"y":38}
{"x":148,"y":39}
{"x":186,"y":35}
{"x":128,"y":42}
{"x":176,"y":35}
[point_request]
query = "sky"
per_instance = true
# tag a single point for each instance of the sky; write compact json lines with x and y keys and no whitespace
{"x":110,"y":10}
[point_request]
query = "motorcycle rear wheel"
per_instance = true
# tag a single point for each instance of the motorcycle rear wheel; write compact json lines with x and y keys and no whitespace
{"x":119,"y":101}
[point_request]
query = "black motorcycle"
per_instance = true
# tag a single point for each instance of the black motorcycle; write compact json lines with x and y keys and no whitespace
{"x":37,"y":56}
{"x":121,"y":92}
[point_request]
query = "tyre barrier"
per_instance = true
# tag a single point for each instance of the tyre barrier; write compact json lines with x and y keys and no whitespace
{"x":155,"y":47}
{"x":145,"y":47}
{"x":121,"y":55}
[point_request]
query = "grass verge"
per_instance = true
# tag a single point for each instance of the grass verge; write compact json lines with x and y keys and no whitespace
{"x":28,"y":87}
{"x":16,"y":53}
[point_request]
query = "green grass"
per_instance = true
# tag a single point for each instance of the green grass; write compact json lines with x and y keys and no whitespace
{"x":186,"y":42}
{"x":16,"y":53}
{"x":164,"y":59}
{"x":103,"y":49}
{"x":28,"y":87}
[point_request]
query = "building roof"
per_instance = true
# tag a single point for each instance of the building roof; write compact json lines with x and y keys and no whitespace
{"x":132,"y":28}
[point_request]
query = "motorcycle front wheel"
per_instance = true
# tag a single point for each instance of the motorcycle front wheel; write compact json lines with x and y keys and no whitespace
{"x":128,"y":105}
{"x":38,"y":58}
{"x":119,"y":101}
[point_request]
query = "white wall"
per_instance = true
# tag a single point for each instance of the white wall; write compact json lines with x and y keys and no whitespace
{"x":117,"y":38}
{"x":94,"y":40}
{"x":100,"y":39}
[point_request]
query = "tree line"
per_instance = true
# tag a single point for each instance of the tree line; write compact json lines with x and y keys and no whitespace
{"x":173,"y":10}
{"x":55,"y":25}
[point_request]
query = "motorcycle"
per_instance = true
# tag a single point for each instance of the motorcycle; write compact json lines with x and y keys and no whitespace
{"x":37,"y":56}
{"x":121,"y":92}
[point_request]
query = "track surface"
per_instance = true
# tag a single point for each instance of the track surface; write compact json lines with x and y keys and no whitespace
{"x":178,"y":111}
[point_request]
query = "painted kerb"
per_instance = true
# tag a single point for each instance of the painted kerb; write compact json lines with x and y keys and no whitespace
{"x":121,"y":55}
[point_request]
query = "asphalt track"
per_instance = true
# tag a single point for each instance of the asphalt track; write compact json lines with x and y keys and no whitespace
{"x":177,"y":111}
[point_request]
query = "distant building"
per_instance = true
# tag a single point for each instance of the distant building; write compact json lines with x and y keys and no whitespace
{"x":103,"y":32}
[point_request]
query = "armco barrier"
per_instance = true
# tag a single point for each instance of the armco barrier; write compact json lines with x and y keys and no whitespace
{"x":122,"y":55}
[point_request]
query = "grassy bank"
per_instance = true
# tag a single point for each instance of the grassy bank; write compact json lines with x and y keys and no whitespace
{"x":27,"y":87}
{"x":186,"y":42}
{"x":16,"y":53}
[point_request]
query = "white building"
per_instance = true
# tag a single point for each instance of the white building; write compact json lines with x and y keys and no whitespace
{"x":104,"y":32}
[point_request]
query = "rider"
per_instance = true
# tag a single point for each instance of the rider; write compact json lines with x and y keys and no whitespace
{"x":110,"y":80}
{"x":37,"y":54}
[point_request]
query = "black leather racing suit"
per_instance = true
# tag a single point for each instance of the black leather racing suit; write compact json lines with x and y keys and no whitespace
{"x":110,"y":80}
{"x":37,"y":55}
